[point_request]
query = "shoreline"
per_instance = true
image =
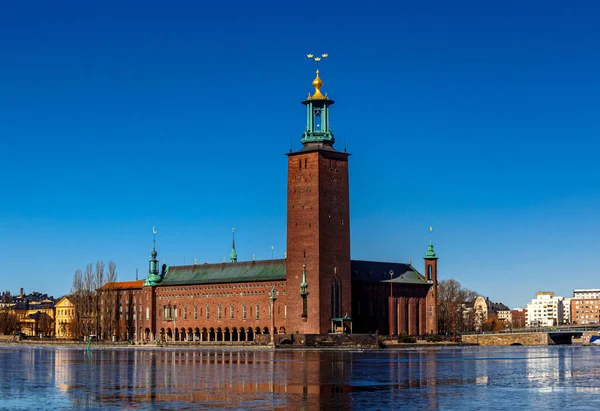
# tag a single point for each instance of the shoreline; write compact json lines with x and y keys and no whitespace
{"x":202,"y":347}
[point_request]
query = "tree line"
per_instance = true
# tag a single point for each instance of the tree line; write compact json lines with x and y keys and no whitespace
{"x":453,"y":297}
{"x":89,"y":318}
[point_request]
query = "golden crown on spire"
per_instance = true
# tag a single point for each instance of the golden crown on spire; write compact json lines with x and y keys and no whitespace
{"x":317,"y":82}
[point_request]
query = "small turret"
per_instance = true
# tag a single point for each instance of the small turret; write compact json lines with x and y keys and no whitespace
{"x":304,"y":293}
{"x":154,"y":277}
{"x":233,"y":253}
{"x":430,"y":254}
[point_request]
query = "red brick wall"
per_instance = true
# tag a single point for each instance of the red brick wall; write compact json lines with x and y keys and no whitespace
{"x":318,"y":224}
{"x":372,"y":311}
{"x":185,"y":297}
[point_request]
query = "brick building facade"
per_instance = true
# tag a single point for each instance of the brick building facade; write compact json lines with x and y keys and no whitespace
{"x":316,"y":289}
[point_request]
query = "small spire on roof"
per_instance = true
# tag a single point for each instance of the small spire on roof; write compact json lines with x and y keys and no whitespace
{"x":233,"y":254}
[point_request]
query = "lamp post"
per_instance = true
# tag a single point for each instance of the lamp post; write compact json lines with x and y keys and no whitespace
{"x":391,"y":309}
{"x":272,"y":298}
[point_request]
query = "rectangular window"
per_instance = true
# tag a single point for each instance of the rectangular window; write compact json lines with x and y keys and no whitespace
{"x":185,"y":312}
{"x":195,"y":312}
{"x":285,"y":311}
{"x":257,"y":312}
{"x":431,"y":311}
{"x":231,"y":312}
{"x":219,"y":312}
{"x":207,"y":312}
{"x":243,"y":311}
{"x":147,"y":313}
{"x":175,"y":312}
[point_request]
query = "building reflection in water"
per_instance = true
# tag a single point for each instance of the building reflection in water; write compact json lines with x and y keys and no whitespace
{"x":296,"y":379}
{"x":302,"y":379}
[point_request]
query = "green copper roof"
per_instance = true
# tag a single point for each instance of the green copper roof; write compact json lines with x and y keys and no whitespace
{"x":266,"y":270}
{"x":430,"y":254}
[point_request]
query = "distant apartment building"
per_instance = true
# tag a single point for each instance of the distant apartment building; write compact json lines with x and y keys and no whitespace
{"x":567,"y":311}
{"x":590,"y":293}
{"x":505,"y":316}
{"x":484,"y":309}
{"x":546,"y":310}
{"x":519,"y":317}
{"x":585,"y":311}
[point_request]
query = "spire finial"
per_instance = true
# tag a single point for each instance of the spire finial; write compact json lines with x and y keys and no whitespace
{"x":317,"y":82}
{"x":233,"y":254}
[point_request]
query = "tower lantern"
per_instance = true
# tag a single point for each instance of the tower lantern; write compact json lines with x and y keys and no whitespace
{"x":318,"y":129}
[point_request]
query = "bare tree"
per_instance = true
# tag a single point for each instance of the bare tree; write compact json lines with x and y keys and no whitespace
{"x":453,"y":297}
{"x":109,"y":301}
{"x":45,"y":325}
{"x":77,"y":296}
{"x":8,"y":321}
{"x":99,"y":281}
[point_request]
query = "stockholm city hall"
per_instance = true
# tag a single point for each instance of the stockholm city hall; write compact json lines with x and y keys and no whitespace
{"x":315,"y":289}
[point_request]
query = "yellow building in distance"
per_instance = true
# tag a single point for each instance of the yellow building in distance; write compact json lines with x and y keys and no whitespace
{"x":65,"y":313}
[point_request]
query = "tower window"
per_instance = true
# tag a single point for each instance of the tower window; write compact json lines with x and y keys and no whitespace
{"x":429,"y":273}
{"x":300,"y":164}
{"x":305,"y":162}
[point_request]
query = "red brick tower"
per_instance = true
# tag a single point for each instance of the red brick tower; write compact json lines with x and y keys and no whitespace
{"x":318,"y":225}
{"x":431,"y":300}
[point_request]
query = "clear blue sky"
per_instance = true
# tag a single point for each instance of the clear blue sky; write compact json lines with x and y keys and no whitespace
{"x":479,"y":119}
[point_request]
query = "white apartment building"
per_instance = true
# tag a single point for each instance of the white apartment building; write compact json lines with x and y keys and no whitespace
{"x":546,"y":310}
{"x":587,"y":294}
{"x":567,"y":319}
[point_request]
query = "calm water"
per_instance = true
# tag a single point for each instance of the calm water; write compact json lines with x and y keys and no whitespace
{"x":458,"y":378}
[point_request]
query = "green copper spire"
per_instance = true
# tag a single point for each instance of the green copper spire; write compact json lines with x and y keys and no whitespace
{"x":317,"y":129}
{"x":153,"y":275}
{"x":304,"y":293}
{"x":233,"y":254}
{"x":303,"y":285}
{"x":430,"y":254}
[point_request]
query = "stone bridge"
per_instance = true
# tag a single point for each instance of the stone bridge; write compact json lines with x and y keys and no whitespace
{"x":525,"y":338}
